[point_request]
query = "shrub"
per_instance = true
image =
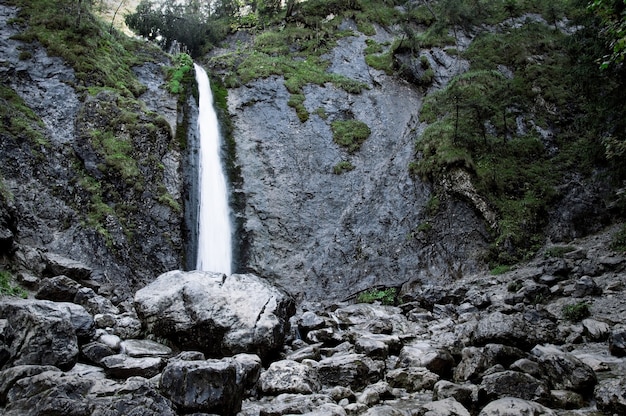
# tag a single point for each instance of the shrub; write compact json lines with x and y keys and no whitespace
{"x":385,"y":296}
{"x":576,"y":312}
{"x":343,"y":166}
{"x":350,"y":133}
{"x":618,"y":242}
{"x":7,"y":288}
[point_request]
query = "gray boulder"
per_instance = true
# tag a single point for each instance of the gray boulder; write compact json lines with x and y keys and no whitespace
{"x":288,"y":376}
{"x":59,"y":265}
{"x":216,"y":314}
{"x":144,"y":348}
{"x":445,"y":407}
{"x":82,"y":393}
{"x":124,"y":366}
{"x":42,"y":332}
{"x":564,"y":371}
{"x":290,"y":404}
{"x":524,"y":330}
{"x":610,"y":395}
{"x":203,"y":386}
{"x":512,"y":406}
{"x":412,"y":378}
{"x":512,"y":384}
{"x":617,"y":343}
{"x":349,"y":370}
{"x":424,"y":354}
{"x":11,"y":375}
{"x":58,"y":289}
{"x":444,"y":389}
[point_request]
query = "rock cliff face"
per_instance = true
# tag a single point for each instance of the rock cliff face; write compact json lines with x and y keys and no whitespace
{"x":325,"y":235}
{"x":103,"y":183}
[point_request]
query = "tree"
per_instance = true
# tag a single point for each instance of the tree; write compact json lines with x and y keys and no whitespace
{"x":193,"y":23}
{"x":612,"y":14}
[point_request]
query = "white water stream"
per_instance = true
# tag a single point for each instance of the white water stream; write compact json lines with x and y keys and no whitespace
{"x":214,"y":229}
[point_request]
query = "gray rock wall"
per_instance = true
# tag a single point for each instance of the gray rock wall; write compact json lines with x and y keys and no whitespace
{"x":323,"y":235}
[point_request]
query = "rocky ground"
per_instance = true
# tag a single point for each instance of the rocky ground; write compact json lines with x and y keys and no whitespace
{"x":518,"y":343}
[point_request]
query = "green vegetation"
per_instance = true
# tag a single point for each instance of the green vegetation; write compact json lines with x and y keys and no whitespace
{"x":350,"y":134}
{"x":343,"y":166}
{"x":181,"y":74}
{"x":576,"y":312}
{"x":500,"y":269}
{"x":117,"y":151}
{"x":19,"y":120}
{"x":618,"y":242}
{"x":491,"y":120}
{"x":99,"y":57}
{"x":7,"y":288}
{"x":385,"y":296}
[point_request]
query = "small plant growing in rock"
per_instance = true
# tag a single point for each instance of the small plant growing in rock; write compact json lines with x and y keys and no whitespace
{"x":500,"y":269}
{"x":515,"y":286}
{"x":350,"y":134}
{"x":7,"y":288}
{"x":343,"y":166}
{"x":384,"y":296}
{"x":576,"y":312}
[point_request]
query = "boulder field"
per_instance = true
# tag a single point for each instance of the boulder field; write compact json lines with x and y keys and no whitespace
{"x":547,"y":338}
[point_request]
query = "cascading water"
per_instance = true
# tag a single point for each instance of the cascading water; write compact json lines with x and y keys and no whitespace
{"x":214,"y":229}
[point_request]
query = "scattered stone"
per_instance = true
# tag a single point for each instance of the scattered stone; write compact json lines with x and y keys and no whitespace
{"x":445,"y":407}
{"x":586,"y":286}
{"x":512,"y":384}
{"x":617,"y":343}
{"x":596,"y":331}
{"x":610,"y":395}
{"x":564,"y":371}
{"x":288,"y":376}
{"x":512,"y":406}
{"x":124,"y":366}
{"x":424,"y":354}
{"x":144,"y":348}
{"x":349,"y":370}
{"x":444,"y":389}
{"x":412,"y":378}
{"x":59,"y":265}
{"x":58,"y":289}
{"x":96,"y":351}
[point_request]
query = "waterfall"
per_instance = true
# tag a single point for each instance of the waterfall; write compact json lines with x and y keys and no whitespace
{"x":214,"y":229}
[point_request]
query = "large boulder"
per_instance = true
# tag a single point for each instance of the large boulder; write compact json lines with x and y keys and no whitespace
{"x":41,"y":332}
{"x":564,"y":371}
{"x":524,"y":330}
{"x":216,"y":314}
{"x":203,"y":385}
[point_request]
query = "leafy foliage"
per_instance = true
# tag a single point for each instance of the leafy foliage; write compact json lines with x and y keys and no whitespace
{"x":343,"y":166}
{"x":67,"y":29}
{"x":350,"y":133}
{"x":181,"y":74}
{"x":385,"y":296}
{"x":188,"y":23}
{"x":7,"y":288}
{"x":576,"y":312}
